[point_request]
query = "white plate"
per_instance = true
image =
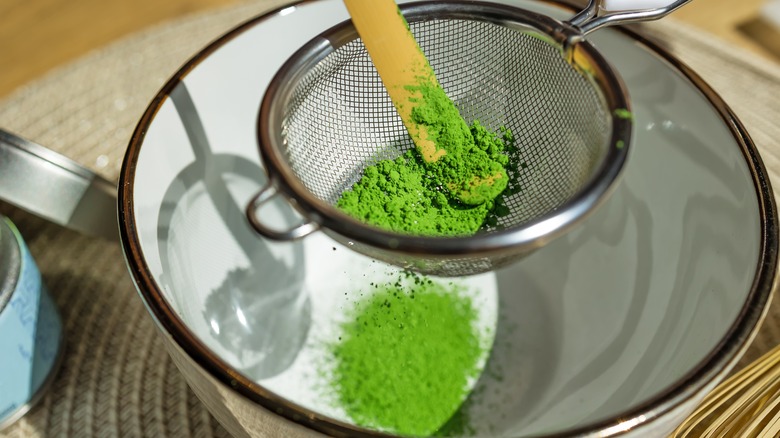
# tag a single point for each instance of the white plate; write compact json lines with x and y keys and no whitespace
{"x":623,"y":324}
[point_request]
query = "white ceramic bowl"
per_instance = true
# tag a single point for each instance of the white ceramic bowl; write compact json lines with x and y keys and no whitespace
{"x":619,"y":327}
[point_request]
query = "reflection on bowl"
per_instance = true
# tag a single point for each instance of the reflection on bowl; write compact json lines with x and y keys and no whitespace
{"x":619,"y":326}
{"x":214,"y":264}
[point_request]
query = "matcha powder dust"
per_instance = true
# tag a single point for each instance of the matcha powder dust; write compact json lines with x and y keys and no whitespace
{"x":405,"y":357}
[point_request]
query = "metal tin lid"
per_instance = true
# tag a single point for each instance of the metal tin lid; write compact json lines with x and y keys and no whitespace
{"x":56,"y":188}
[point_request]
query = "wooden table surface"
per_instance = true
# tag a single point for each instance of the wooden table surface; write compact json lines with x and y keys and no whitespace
{"x":38,"y":35}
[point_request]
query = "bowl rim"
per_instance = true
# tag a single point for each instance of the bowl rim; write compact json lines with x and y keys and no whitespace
{"x":717,"y":362}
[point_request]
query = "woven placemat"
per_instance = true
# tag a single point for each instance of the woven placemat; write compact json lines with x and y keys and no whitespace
{"x":116,"y":378}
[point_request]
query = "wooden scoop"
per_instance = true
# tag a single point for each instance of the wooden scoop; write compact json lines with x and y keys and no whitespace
{"x":404,"y":70}
{"x":399,"y":61}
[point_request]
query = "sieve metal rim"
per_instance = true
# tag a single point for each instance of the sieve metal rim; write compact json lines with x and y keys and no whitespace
{"x":526,"y":238}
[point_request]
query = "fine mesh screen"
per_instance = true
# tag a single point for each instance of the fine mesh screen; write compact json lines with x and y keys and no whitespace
{"x":341,"y":119}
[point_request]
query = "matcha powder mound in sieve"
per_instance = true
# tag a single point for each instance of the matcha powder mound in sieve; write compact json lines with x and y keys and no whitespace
{"x":405,"y":357}
{"x":405,"y":195}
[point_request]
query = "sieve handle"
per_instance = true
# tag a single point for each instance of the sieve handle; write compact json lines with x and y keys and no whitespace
{"x":603,"y":13}
{"x":266,"y":194}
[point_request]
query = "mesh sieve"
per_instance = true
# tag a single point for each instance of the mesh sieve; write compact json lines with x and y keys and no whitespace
{"x":326,"y":117}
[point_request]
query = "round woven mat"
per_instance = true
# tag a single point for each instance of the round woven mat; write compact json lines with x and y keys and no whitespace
{"x":116,"y":378}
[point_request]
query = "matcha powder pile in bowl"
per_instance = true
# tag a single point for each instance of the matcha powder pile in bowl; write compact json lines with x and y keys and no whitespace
{"x":406,"y":355}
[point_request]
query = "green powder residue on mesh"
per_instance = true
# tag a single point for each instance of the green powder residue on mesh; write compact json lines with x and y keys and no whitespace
{"x":405,"y":357}
{"x":407,"y":195}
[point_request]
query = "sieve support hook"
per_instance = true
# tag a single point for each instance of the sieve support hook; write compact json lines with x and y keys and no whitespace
{"x":603,"y":13}
{"x":266,"y":194}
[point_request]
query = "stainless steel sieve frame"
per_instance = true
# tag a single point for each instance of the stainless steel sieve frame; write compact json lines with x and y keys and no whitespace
{"x":501,"y":244}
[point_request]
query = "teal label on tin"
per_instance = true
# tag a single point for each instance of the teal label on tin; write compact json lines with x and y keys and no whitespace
{"x":30,"y":336}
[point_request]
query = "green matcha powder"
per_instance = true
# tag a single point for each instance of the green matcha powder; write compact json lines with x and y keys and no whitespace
{"x":408,"y":195}
{"x":404,"y":358}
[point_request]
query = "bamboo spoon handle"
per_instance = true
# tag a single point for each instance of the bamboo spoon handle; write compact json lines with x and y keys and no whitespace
{"x":406,"y":72}
{"x":398,"y":60}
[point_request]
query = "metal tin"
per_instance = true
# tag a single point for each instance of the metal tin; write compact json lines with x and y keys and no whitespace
{"x":30,"y":328}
